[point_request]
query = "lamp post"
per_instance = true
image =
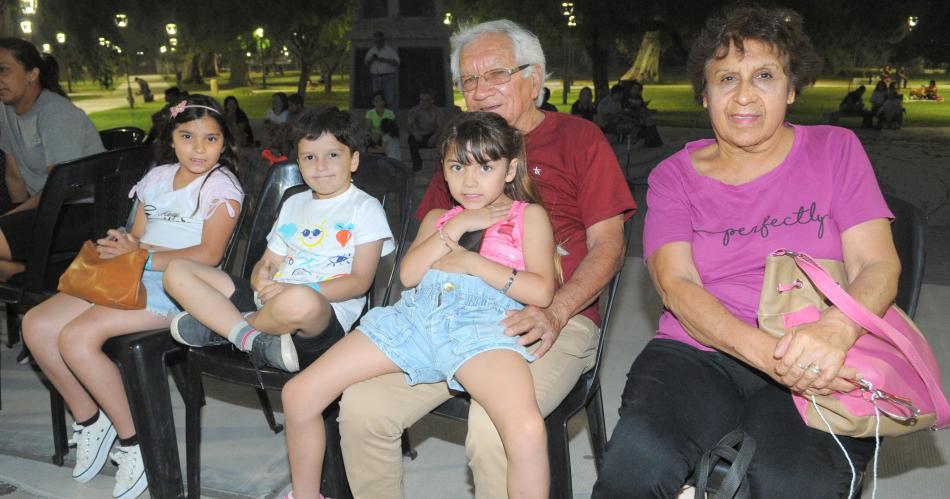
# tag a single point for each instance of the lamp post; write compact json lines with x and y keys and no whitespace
{"x":567,"y":8}
{"x":259,"y":36}
{"x":61,"y":40}
{"x":122,"y":20}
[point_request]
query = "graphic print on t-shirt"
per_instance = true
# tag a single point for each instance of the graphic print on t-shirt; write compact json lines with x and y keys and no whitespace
{"x":311,"y":250}
{"x":801,"y":216}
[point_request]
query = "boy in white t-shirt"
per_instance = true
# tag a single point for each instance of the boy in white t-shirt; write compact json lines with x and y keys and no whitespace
{"x":309,"y":287}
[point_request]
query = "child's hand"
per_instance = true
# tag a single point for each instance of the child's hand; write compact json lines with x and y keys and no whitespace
{"x":270,"y":290}
{"x":475,"y":220}
{"x":262,"y":278}
{"x":117,"y":242}
{"x":457,"y":261}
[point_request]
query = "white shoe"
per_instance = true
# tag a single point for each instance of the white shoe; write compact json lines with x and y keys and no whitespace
{"x":130,"y":479}
{"x":92,"y":448}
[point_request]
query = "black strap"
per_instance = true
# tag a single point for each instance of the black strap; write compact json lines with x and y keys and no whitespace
{"x":721,"y":471}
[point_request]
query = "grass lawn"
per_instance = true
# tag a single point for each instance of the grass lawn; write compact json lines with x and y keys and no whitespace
{"x":253,"y":100}
{"x":675,"y":106}
{"x":673,"y":102}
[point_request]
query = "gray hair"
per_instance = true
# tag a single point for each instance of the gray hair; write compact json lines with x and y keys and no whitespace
{"x":525,"y":44}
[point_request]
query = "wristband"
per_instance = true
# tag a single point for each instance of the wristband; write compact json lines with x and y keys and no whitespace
{"x":148,"y":261}
{"x":314,"y":286}
{"x":511,"y":279}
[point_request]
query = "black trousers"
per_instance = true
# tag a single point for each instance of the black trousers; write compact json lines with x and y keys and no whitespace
{"x":679,"y":401}
{"x":414,"y":146}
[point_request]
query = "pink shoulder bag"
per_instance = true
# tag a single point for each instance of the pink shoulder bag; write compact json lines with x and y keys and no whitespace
{"x":901,"y":377}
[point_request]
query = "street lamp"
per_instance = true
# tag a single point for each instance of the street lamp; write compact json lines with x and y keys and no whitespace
{"x":61,"y":39}
{"x":567,"y":9}
{"x":27,"y":27}
{"x":259,"y":36}
{"x":171,"y":29}
{"x":47,"y":48}
{"x":447,"y":20}
{"x":122,"y":21}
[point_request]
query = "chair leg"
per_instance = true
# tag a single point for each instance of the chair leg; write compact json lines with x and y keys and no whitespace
{"x":268,"y":411}
{"x":13,"y":324}
{"x":407,"y":450}
{"x":194,"y":396}
{"x":334,"y":482}
{"x":559,"y":456}
{"x":597,"y":427}
{"x":146,"y":385}
{"x":57,"y":409}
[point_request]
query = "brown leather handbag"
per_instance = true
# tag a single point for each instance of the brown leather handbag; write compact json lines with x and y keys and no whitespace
{"x":114,"y":282}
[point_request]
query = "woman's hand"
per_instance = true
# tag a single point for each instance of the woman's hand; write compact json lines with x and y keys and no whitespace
{"x":474,"y":220}
{"x":117,"y":242}
{"x":810,"y":358}
{"x":456,"y":261}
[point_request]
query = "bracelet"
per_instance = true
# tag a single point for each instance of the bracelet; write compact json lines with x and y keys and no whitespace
{"x":511,"y":279}
{"x":148,"y":261}
{"x":314,"y":286}
{"x":442,"y":238}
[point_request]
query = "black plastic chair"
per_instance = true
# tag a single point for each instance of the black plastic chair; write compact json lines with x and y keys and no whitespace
{"x":144,"y":360}
{"x":585,"y":395}
{"x":117,"y":138}
{"x":910,"y":237}
{"x":389,"y":181}
{"x":108,"y":176}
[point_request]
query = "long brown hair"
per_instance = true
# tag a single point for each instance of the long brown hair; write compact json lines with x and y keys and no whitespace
{"x":484,"y":137}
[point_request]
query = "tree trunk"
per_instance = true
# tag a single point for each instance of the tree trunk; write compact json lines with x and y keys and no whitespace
{"x":239,"y":71}
{"x":193,"y":74}
{"x":599,"y":58}
{"x":304,"y":77}
{"x":646,"y":67}
{"x":209,"y":64}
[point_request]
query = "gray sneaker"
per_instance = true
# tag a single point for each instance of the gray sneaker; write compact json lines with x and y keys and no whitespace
{"x":188,"y":331}
{"x":275,"y":350}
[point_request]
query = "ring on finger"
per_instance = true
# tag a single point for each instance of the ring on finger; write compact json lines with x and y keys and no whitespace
{"x":815,"y":369}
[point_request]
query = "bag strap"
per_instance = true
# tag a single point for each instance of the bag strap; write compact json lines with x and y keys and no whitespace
{"x":737,"y":448}
{"x":864,"y":317}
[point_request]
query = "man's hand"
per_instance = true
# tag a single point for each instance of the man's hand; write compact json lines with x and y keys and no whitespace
{"x":533,"y":324}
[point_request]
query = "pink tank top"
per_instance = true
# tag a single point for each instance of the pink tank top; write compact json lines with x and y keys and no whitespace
{"x":503,"y":242}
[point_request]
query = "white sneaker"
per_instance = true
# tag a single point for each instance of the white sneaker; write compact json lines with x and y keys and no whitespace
{"x":92,"y":448}
{"x":77,"y":432}
{"x":130,"y":480}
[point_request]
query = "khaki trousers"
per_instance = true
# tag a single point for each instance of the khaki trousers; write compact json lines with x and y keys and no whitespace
{"x":374,"y":413}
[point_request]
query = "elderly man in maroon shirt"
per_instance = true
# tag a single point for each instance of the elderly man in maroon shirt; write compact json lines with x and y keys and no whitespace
{"x":500,"y":68}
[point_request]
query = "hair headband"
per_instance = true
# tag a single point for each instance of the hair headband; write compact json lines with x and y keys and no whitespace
{"x":181,"y":106}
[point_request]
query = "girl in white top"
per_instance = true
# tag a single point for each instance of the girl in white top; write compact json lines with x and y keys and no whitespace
{"x":186,"y":210}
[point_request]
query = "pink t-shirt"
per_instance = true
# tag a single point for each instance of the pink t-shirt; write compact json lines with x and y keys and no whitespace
{"x":503,"y":242}
{"x":580,"y":182}
{"x":824,"y":186}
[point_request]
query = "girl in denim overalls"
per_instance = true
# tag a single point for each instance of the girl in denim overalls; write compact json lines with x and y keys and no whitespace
{"x":446,"y":327}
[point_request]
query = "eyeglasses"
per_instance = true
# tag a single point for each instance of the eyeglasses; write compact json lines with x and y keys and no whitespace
{"x":494,"y":77}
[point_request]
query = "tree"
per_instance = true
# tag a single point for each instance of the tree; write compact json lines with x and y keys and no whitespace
{"x":314,"y":32}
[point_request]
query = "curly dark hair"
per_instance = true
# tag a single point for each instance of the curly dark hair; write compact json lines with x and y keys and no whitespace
{"x":779,"y":28}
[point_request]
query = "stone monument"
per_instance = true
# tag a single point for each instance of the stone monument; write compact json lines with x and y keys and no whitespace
{"x":414,"y":28}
